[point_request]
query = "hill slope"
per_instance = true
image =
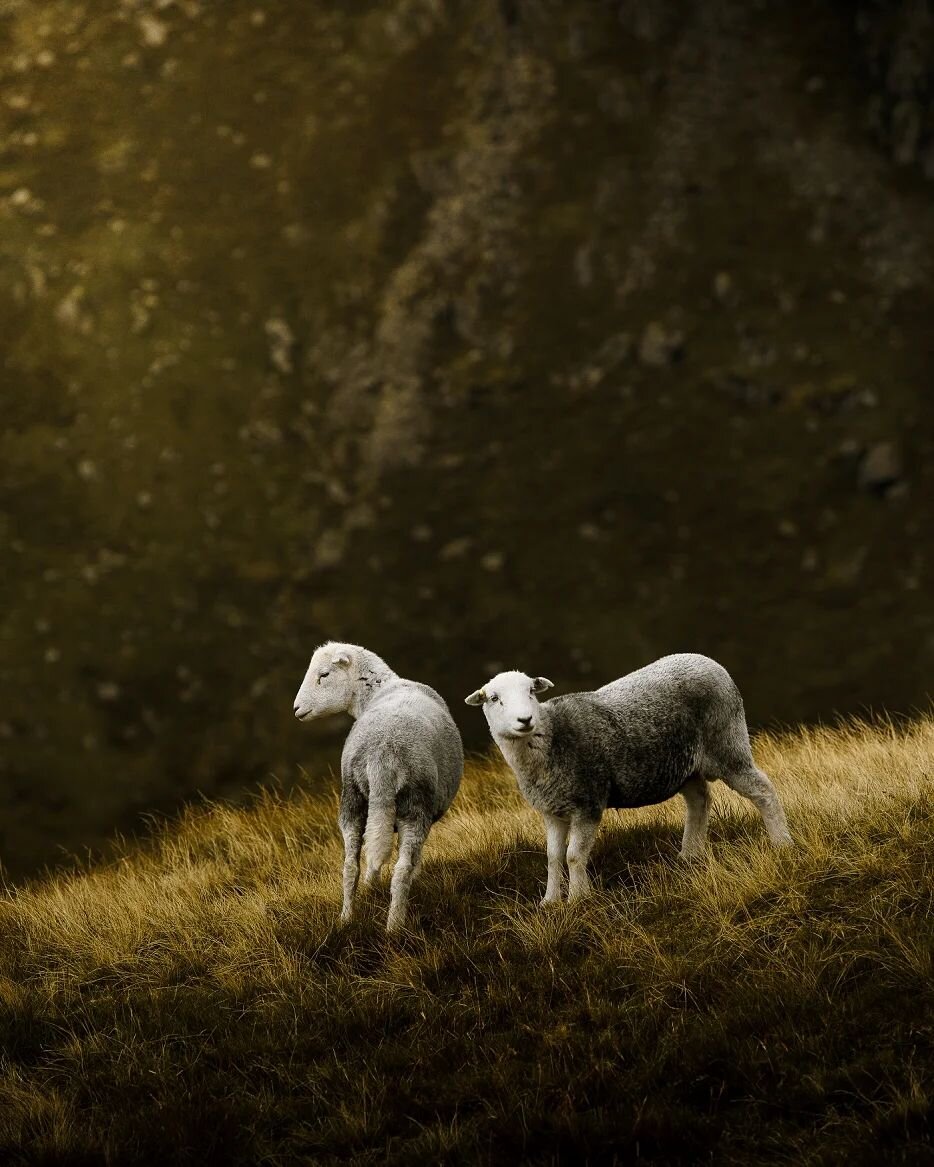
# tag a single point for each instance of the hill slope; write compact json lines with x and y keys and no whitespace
{"x":197,"y":1000}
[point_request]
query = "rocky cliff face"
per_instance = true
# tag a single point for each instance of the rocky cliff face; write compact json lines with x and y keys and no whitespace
{"x":560,"y":336}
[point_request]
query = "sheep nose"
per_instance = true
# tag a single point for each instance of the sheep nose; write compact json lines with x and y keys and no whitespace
{"x":526,"y":721}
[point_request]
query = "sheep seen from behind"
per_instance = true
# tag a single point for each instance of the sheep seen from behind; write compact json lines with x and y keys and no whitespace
{"x":669,"y":728}
{"x":400,"y":768}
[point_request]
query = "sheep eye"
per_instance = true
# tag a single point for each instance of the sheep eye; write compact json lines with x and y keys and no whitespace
{"x":493,"y":698}
{"x":321,"y":676}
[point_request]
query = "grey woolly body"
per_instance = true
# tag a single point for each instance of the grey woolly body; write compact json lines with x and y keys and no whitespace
{"x":635,"y":741}
{"x":403,"y":749}
{"x":400,"y":769}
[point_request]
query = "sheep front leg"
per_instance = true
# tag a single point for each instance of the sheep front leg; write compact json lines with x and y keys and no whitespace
{"x":580,"y":843}
{"x":556,"y":834}
{"x":351,"y":819}
{"x":411,"y":840}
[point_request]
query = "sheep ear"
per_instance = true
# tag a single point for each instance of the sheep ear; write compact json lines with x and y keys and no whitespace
{"x":540,"y":684}
{"x":342,"y":659}
{"x":476,"y":698}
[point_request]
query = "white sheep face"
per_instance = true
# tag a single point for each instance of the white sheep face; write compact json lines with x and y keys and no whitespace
{"x":328,"y":686}
{"x":510,"y":703}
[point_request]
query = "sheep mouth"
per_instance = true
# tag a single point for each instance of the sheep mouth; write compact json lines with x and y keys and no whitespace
{"x":304,"y":716}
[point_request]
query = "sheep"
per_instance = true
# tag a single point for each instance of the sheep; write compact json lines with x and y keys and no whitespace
{"x":400,"y":768}
{"x":665,"y":729}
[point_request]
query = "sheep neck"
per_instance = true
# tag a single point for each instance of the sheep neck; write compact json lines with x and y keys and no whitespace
{"x":373,"y":674}
{"x":528,"y":756}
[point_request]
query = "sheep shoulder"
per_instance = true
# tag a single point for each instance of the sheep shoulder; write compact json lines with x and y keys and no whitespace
{"x":577,"y":764}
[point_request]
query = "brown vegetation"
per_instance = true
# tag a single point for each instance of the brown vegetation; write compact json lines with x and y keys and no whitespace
{"x":197,"y":1000}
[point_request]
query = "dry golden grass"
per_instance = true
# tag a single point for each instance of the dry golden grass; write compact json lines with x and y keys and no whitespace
{"x":197,"y":1000}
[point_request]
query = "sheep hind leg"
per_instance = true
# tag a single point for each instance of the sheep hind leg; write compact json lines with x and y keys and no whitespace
{"x":351,"y":820}
{"x":556,"y":833}
{"x":580,"y":843}
{"x":411,"y":840}
{"x":697,"y":811}
{"x":751,"y":783}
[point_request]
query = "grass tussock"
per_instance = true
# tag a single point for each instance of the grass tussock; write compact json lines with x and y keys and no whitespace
{"x":198,"y":1001}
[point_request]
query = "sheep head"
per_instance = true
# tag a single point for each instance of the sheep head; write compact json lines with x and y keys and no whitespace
{"x":330,"y":682}
{"x":510,"y":703}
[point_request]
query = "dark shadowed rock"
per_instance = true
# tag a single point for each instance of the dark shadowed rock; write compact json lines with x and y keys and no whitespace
{"x":660,"y":346}
{"x":365,"y":321}
{"x":881,"y":468}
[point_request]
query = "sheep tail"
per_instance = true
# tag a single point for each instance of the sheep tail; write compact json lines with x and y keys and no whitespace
{"x":381,"y":817}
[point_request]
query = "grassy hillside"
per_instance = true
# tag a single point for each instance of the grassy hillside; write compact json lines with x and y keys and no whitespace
{"x":197,"y":1000}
